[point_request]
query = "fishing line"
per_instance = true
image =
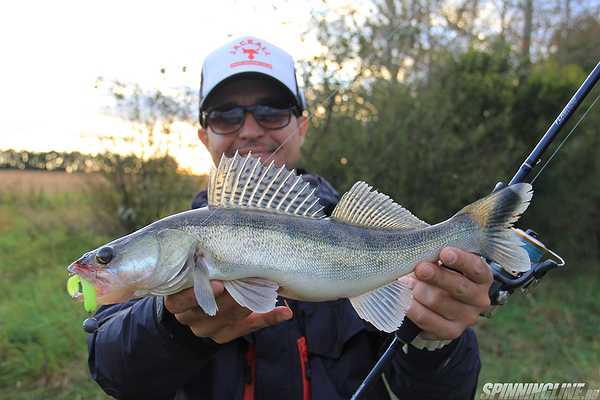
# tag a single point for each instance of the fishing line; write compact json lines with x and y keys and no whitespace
{"x":566,"y":137}
{"x":308,"y":118}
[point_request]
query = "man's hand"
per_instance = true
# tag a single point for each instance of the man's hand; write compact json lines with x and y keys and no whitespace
{"x":231,"y":321}
{"x":446,"y":302}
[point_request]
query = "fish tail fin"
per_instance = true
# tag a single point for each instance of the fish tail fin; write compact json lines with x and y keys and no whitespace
{"x":495,"y":214}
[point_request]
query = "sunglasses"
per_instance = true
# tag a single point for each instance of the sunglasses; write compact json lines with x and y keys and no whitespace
{"x":229,"y":121}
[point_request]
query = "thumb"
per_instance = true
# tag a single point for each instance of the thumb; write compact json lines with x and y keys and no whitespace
{"x":278,"y":314}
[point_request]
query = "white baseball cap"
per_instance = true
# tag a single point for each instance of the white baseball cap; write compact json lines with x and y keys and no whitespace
{"x":249,"y":55}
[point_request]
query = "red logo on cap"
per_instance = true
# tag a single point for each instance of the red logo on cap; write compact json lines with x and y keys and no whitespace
{"x":251,"y":49}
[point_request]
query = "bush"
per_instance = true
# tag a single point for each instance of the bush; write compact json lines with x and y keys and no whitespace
{"x":135,"y":192}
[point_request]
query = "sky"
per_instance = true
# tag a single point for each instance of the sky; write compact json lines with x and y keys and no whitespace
{"x":54,"y":51}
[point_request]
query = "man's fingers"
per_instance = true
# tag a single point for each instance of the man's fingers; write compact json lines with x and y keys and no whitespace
{"x":258,"y":321}
{"x":192,"y":316}
{"x":217,"y":287}
{"x":186,"y":299}
{"x":203,"y":325}
{"x":429,"y":321}
{"x":437,"y":300}
{"x":457,"y":286}
{"x":440,"y":302}
{"x":252,"y":323}
{"x":229,"y":309}
{"x":231,"y":321}
{"x":447,"y":300}
{"x":469,"y":264}
{"x":182,"y":301}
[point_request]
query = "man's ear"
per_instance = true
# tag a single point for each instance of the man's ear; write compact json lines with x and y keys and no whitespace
{"x":203,"y":136}
{"x":302,"y":127}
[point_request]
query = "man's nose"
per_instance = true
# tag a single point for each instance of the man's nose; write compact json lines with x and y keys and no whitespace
{"x":250,"y":128}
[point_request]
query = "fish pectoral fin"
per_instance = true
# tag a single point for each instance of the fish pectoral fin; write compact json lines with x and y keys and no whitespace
{"x":256,"y":294}
{"x":384,"y":307}
{"x":202,"y":288}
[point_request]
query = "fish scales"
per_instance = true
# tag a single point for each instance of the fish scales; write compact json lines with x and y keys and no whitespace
{"x":242,"y":244}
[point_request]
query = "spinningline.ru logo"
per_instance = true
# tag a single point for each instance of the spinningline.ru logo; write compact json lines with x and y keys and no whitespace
{"x":538,"y":391}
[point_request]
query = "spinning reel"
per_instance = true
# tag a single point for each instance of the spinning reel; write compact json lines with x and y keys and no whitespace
{"x":542,"y":260}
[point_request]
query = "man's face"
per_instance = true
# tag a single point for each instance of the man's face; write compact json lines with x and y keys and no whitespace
{"x":280,"y":145}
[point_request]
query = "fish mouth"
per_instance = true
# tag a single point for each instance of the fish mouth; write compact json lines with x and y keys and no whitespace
{"x":93,"y":274}
{"x":107,"y":290}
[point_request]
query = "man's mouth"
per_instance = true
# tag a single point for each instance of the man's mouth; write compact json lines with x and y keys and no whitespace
{"x":256,"y":151}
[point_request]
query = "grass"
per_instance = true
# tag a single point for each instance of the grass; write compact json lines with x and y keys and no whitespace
{"x":549,"y":336}
{"x":47,"y":182}
{"x":42,"y":345}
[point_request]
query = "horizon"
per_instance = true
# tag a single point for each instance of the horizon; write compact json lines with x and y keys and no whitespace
{"x":50,"y":91}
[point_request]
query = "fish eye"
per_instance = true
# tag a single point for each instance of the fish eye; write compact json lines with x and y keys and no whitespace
{"x":105,"y":255}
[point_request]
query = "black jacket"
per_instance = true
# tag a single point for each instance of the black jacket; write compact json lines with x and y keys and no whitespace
{"x":141,"y":352}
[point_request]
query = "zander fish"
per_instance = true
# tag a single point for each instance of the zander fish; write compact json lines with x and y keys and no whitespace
{"x":264,"y":234}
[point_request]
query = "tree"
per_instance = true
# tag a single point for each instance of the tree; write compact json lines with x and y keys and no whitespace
{"x":440,"y":134}
{"x":576,"y":42}
{"x":145,"y":184}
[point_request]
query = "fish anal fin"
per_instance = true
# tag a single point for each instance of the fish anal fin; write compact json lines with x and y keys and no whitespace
{"x":256,"y":294}
{"x":245,"y":183}
{"x":384,"y":307}
{"x":366,"y":207}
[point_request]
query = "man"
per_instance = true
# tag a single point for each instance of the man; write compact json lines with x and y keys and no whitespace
{"x":168,"y":348}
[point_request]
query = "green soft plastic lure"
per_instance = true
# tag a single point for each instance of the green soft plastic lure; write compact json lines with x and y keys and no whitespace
{"x":78,"y":286}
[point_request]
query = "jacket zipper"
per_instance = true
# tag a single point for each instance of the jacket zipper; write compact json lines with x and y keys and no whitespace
{"x":304,"y":367}
{"x":250,"y":372}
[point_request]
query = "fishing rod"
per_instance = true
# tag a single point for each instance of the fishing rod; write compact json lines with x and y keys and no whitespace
{"x":505,"y":283}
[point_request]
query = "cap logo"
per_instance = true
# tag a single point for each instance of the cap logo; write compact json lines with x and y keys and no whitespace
{"x":250,"y":49}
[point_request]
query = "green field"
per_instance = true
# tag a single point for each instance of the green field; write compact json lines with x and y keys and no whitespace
{"x":548,"y":336}
{"x":42,"y":345}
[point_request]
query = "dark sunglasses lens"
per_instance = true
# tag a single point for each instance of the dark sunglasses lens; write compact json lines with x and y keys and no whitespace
{"x":271,"y":117}
{"x":225,"y":121}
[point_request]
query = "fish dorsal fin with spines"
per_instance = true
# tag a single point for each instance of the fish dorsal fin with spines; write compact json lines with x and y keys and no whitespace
{"x":366,"y":207}
{"x":244,"y":182}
